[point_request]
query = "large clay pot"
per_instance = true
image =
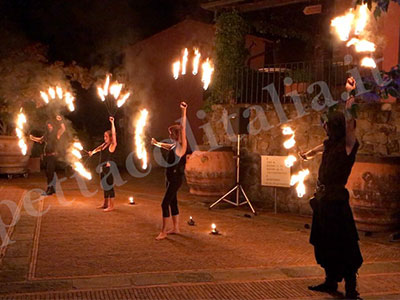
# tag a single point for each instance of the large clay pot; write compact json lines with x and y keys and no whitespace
{"x":374,"y":186}
{"x":210,"y":173}
{"x":11,"y":159}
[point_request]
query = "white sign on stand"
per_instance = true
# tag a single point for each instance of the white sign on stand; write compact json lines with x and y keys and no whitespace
{"x":274,"y":173}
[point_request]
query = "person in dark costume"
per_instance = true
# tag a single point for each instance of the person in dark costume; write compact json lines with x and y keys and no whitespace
{"x":50,"y":140}
{"x":176,"y":160}
{"x":333,"y":232}
{"x":106,"y":157}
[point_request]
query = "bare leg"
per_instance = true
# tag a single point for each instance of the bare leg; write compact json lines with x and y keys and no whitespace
{"x":105,"y":204}
{"x":110,"y":205}
{"x":175,"y":230}
{"x":163,"y":233}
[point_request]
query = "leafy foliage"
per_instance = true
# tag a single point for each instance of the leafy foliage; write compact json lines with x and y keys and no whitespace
{"x":231,"y":52}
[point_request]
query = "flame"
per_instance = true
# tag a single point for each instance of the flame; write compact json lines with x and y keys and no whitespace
{"x":100,"y":92}
{"x":207,"y":73}
{"x":78,"y":146}
{"x":21,"y":120}
{"x":115,"y":89}
{"x":59,"y":92}
{"x":139,"y":132}
{"x":176,"y":68}
{"x":343,"y":24}
{"x":368,"y":62}
{"x":299,"y":179}
{"x":76,"y":153}
{"x":196,"y":61}
{"x":44,"y":97}
{"x":362,"y":19}
{"x":289,"y":143}
{"x":184,"y":61}
{"x":69,"y":100}
{"x":106,"y":85}
{"x":362,"y":45}
{"x":52,"y":93}
{"x":123,"y":100}
{"x":81,"y":170}
{"x":289,"y":161}
{"x":287,"y":131}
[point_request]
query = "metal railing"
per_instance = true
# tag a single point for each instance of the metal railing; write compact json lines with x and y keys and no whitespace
{"x":249,"y":83}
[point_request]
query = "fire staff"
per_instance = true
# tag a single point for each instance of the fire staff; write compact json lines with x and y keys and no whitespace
{"x":176,"y":160}
{"x":333,"y":233}
{"x":50,"y":140}
{"x":106,"y":160}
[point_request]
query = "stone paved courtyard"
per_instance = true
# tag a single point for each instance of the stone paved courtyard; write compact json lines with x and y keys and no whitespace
{"x":63,"y":248}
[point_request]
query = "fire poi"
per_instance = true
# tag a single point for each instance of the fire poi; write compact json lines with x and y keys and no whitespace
{"x":180,"y":66}
{"x":21,"y":120}
{"x":141,"y":152}
{"x":299,"y":179}
{"x":112,"y":96}
{"x":353,"y":24}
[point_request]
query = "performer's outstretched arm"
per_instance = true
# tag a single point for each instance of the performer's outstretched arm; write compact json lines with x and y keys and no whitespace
{"x":312,"y":153}
{"x":350,"y":117}
{"x":36,"y":139}
{"x":97,"y":149}
{"x":114,"y":136}
{"x":165,"y":146}
{"x":182,"y":146}
{"x":62,"y":127}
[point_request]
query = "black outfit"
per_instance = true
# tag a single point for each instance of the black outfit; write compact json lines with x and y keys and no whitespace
{"x":333,"y":233}
{"x":174,"y":176}
{"x":50,"y":159}
{"x":107,"y":184}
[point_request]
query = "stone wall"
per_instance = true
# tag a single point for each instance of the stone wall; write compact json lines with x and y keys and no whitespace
{"x":378,"y":131}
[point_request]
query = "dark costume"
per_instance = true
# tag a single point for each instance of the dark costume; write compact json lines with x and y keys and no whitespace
{"x":333,"y":233}
{"x":50,"y":158}
{"x":174,"y":176}
{"x":107,"y":184}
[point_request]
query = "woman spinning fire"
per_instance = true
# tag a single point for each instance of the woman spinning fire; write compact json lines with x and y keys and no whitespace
{"x":174,"y":173}
{"x":106,"y":152}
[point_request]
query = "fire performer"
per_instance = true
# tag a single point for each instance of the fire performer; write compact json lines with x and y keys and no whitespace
{"x":176,"y":160}
{"x":106,"y":152}
{"x":333,"y":233}
{"x":50,"y":140}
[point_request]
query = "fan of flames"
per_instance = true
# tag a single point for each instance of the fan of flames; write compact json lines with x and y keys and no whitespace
{"x":21,"y":120}
{"x":57,"y":92}
{"x":354,"y":23}
{"x":180,"y":66}
{"x":114,"y":89}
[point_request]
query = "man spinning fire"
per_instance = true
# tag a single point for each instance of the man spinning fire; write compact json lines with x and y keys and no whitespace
{"x":333,"y":233}
{"x":50,"y":140}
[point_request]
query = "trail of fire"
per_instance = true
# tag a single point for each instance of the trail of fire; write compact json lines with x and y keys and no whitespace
{"x":290,"y":160}
{"x":75,"y":157}
{"x":21,"y":120}
{"x":141,"y":152}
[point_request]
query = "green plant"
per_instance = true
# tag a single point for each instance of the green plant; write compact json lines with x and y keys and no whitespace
{"x":230,"y":54}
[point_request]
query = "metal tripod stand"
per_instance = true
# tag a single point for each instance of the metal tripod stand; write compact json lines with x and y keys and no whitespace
{"x":238,"y":187}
